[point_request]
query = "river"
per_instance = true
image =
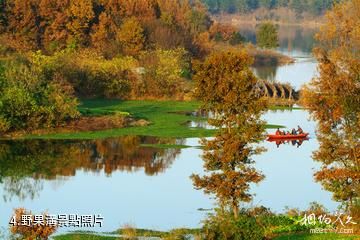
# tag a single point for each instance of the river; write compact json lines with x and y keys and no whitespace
{"x":149,"y":187}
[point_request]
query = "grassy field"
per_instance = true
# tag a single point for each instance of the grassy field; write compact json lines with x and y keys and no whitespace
{"x":167,"y":118}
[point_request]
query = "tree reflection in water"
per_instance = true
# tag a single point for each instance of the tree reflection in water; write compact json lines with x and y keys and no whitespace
{"x":24,"y":164}
{"x":295,"y":142}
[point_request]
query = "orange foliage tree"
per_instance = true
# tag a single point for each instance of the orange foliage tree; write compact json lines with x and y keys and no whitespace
{"x":81,"y":15}
{"x":333,"y":99}
{"x":24,"y":23}
{"x":225,"y":85}
{"x":34,"y":231}
{"x":54,"y":20}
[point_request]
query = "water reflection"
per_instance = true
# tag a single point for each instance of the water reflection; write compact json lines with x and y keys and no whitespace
{"x":266,"y":72}
{"x":295,"y":39}
{"x":23,"y":164}
{"x":295,"y":143}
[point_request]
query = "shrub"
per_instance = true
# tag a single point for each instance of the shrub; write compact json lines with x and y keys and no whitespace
{"x":223,"y":226}
{"x":89,"y":73}
{"x":129,"y":232}
{"x":164,"y":72}
{"x":31,"y":100}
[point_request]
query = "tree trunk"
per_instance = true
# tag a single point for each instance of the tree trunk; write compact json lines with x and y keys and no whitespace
{"x":235,"y":208}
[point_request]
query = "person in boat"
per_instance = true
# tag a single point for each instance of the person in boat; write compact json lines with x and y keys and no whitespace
{"x":299,"y":130}
{"x":278,"y":132}
{"x":293,"y":131}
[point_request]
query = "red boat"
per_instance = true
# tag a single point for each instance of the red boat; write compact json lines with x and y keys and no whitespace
{"x":287,"y":137}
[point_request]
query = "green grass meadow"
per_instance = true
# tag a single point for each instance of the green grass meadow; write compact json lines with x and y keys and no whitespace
{"x":167,"y":119}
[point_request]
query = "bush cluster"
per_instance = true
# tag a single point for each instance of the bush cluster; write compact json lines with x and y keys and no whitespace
{"x":31,"y":99}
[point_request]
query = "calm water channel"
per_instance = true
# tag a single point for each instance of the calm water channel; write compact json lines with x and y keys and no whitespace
{"x":151,"y":188}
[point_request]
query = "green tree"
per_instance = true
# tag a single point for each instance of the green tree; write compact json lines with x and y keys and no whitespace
{"x":228,"y":6}
{"x":225,"y":86}
{"x":242,"y":6}
{"x":198,"y":20}
{"x":298,"y":6}
{"x":31,"y":99}
{"x":267,"y":36}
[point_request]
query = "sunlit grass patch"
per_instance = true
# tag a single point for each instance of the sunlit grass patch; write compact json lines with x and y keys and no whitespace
{"x":164,"y":117}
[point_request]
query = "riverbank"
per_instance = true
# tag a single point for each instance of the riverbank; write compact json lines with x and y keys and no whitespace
{"x":266,"y":57}
{"x":166,"y":119}
{"x":262,"y":57}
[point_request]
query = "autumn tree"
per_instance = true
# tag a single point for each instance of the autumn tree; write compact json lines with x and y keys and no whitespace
{"x":267,"y":36}
{"x":131,"y":36}
{"x":54,"y":21}
{"x":333,"y":98}
{"x":2,"y":15}
{"x":225,"y":85}
{"x":143,"y":10}
{"x":103,"y":33}
{"x":198,"y":20}
{"x":39,"y":231}
{"x":81,"y":14}
{"x":24,"y":23}
{"x":175,"y":11}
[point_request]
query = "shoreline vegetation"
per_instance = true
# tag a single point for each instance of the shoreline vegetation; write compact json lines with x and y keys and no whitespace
{"x":145,"y":118}
{"x":266,"y":57}
{"x":261,"y":56}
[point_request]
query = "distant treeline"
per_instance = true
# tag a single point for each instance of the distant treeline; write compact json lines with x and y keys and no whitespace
{"x":315,"y":7}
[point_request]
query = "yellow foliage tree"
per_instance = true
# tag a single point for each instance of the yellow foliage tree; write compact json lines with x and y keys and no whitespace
{"x":80,"y":15}
{"x":333,"y":99}
{"x":131,"y":36}
{"x":225,"y":85}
